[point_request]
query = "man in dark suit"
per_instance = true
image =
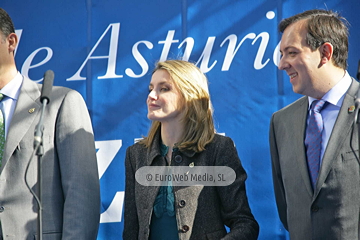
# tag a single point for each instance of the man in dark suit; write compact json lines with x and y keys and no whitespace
{"x":315,"y":151}
{"x":70,"y":186}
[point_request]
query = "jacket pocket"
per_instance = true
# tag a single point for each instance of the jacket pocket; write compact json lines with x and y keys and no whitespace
{"x":350,"y":155}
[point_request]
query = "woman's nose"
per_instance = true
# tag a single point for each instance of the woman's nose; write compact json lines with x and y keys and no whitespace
{"x":152,"y":95}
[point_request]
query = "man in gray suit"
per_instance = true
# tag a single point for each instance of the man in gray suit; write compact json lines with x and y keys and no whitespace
{"x":70,"y":186}
{"x":317,"y":184}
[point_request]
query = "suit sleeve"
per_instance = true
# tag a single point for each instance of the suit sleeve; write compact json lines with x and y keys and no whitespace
{"x":131,"y":223}
{"x":75,"y":147}
{"x":235,"y":207}
{"x":277,"y":178}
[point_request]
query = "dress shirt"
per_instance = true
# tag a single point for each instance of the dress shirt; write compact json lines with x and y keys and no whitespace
{"x":329,"y":113}
{"x":8,"y":104}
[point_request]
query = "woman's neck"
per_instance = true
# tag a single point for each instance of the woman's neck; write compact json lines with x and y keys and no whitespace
{"x":170,"y":135}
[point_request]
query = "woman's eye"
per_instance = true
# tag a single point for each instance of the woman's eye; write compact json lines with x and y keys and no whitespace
{"x":164,"y":89}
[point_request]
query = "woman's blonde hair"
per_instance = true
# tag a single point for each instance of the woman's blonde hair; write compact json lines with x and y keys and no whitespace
{"x":198,"y":121}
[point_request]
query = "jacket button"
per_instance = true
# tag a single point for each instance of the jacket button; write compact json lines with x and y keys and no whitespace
{"x":315,"y":209}
{"x":182,"y":203}
{"x":2,"y":209}
{"x":178,"y":159}
{"x":185,"y":228}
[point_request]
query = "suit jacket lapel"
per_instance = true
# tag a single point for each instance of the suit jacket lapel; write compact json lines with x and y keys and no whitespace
{"x":23,"y":117}
{"x":339,"y":133}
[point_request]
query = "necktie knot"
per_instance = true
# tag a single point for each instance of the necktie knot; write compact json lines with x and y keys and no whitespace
{"x":317,"y":105}
{"x":2,"y":96}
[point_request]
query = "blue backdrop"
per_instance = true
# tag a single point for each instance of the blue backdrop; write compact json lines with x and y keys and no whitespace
{"x":106,"y":49}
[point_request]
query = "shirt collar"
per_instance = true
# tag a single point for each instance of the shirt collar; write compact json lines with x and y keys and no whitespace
{"x":12,"y":89}
{"x":335,"y":96}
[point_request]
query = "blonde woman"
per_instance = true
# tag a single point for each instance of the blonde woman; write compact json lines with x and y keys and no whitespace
{"x":182,"y":134}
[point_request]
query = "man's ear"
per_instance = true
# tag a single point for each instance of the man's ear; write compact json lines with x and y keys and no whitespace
{"x":13,"y":41}
{"x":326,"y":51}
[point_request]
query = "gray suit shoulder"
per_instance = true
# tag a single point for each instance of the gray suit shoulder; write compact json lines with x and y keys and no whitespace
{"x":292,"y":106}
{"x":58,"y":90}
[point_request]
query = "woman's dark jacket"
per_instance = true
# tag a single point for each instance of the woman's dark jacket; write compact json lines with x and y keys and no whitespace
{"x":201,"y":211}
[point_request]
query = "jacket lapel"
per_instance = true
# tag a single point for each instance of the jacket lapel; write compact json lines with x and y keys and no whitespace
{"x":339,"y":133}
{"x":23,"y":118}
